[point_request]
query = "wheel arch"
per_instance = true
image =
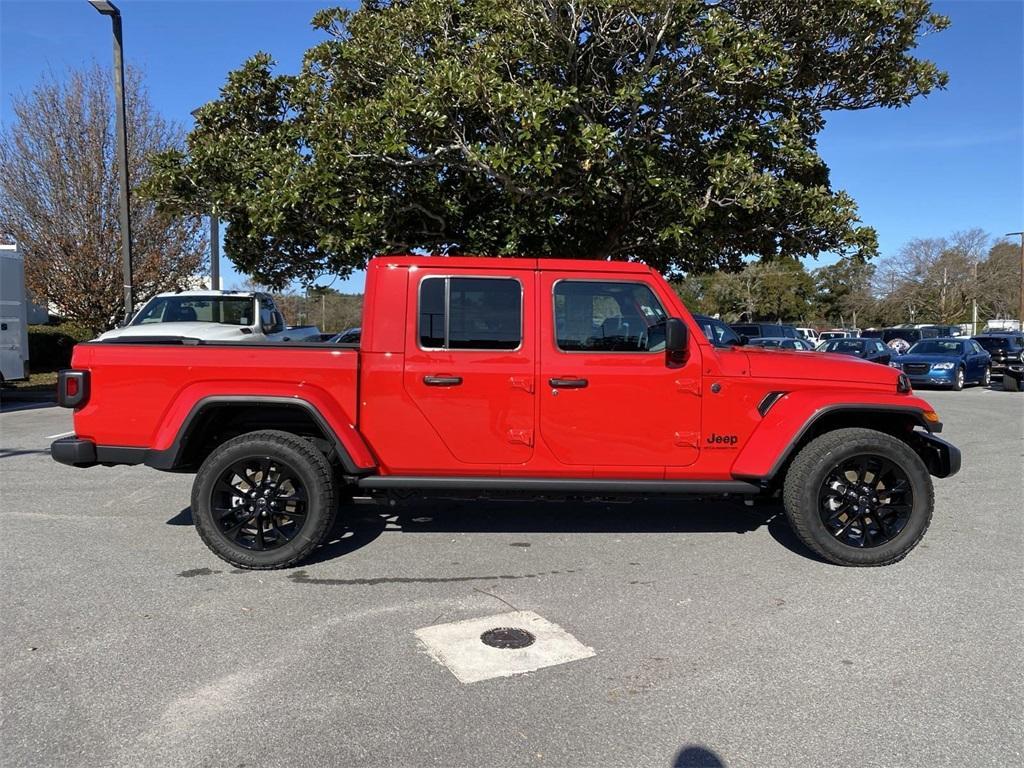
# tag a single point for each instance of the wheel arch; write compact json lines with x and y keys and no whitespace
{"x":217,"y":418}
{"x":900,"y":421}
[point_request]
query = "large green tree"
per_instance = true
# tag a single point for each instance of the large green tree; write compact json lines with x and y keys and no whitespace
{"x":843,"y":291}
{"x":681,"y":133}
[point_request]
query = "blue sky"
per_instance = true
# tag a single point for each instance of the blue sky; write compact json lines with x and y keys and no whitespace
{"x":952,"y":161}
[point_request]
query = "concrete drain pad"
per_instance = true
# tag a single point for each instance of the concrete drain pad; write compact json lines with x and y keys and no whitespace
{"x":500,"y":646}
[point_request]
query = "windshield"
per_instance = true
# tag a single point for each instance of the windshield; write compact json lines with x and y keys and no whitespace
{"x":935,"y":347}
{"x":718,"y":333}
{"x":907,"y":334}
{"x":992,"y":345}
{"x":845,"y":346}
{"x":229,"y":310}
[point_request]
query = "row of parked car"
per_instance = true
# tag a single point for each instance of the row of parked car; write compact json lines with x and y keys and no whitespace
{"x":929,"y":355}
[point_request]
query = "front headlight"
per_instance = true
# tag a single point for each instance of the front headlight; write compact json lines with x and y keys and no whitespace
{"x":897,"y":366}
{"x":943,"y":366}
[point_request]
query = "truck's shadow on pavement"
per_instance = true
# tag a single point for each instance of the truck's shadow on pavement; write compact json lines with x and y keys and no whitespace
{"x":359,"y":525}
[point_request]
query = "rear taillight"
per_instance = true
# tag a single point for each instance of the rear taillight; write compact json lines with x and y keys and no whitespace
{"x":72,"y":388}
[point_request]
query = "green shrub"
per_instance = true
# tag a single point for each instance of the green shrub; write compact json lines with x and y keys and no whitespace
{"x":49,"y":346}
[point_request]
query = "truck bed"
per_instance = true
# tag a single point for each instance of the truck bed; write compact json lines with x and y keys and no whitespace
{"x":154,"y":386}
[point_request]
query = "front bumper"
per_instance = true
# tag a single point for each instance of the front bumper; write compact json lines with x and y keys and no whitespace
{"x":1013,"y":369}
{"x":941,"y":458}
{"x":941,"y":378}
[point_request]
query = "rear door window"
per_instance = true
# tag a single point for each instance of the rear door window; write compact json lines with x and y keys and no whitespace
{"x":470,"y":313}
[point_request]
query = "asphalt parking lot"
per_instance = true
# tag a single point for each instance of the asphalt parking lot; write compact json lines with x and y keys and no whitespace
{"x":717,"y":639}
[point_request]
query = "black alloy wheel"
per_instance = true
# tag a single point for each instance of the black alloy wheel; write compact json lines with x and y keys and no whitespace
{"x":858,"y":497}
{"x":865,"y":501}
{"x":259,"y":503}
{"x":264,"y":499}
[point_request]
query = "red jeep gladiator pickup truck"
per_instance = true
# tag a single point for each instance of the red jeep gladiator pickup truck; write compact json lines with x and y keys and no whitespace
{"x":543,"y":377}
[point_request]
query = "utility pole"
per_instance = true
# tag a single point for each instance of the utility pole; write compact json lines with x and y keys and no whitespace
{"x":974,"y":300}
{"x":214,"y":251}
{"x":121,"y":130}
{"x":214,"y":220}
{"x":1020,"y":315}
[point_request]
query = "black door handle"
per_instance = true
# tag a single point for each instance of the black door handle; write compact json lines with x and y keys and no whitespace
{"x":568,"y":383}
{"x":442,"y":381}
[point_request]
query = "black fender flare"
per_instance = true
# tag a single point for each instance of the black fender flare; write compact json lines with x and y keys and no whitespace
{"x":169,"y":458}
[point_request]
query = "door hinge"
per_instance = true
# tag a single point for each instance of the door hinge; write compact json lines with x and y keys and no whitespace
{"x":524,"y":383}
{"x":687,"y":439}
{"x":688,"y":386}
{"x":521,"y":436}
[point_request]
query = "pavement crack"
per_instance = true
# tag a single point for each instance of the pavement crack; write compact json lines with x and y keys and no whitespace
{"x":301,"y":577}
{"x":499,"y":599}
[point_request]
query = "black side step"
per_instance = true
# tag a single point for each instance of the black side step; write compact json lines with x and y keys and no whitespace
{"x":545,"y":485}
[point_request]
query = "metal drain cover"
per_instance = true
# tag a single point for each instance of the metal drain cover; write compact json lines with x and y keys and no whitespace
{"x":507,"y":637}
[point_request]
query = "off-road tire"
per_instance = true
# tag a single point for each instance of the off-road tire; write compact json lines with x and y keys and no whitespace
{"x":315,"y":473}
{"x":809,"y":471}
{"x":1010,"y":383}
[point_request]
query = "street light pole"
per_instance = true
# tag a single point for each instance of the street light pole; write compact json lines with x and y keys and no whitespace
{"x":214,"y":237}
{"x":107,"y":8}
{"x":1020,"y":316}
{"x":214,"y":252}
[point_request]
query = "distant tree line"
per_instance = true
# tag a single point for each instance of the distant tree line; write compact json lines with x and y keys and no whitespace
{"x":928,"y":280}
{"x":325,"y":308}
{"x":322,"y":306}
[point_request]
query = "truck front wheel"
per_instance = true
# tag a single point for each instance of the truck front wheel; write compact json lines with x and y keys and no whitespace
{"x":859,"y":497}
{"x":264,"y":500}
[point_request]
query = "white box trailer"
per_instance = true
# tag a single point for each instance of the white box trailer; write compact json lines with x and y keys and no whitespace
{"x":13,"y":315}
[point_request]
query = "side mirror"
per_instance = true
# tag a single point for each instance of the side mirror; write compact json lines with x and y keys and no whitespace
{"x":271,"y":321}
{"x":677,"y":336}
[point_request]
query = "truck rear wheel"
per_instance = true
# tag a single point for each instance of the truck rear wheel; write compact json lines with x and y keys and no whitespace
{"x":264,"y":500}
{"x":859,"y":497}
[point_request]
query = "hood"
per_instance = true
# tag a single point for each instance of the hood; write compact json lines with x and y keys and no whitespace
{"x":823,"y":366}
{"x":934,"y":357}
{"x":205,"y":331}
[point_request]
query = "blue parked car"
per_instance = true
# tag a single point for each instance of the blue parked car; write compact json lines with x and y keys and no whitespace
{"x":946,"y":362}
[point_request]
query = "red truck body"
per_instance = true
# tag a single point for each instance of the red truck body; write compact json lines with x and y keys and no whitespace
{"x":398,"y":413}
